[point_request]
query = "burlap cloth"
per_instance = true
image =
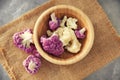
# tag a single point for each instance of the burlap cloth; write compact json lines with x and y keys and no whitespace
{"x":106,"y":45}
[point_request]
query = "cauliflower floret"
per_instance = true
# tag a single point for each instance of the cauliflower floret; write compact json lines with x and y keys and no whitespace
{"x":52,"y":45}
{"x":49,"y":33}
{"x":80,"y":33}
{"x":23,"y":40}
{"x":74,"y":45}
{"x":62,"y":24}
{"x":54,"y":23}
{"x":64,"y":35}
{"x":68,"y":38}
{"x":32,"y":64}
{"x":71,"y":23}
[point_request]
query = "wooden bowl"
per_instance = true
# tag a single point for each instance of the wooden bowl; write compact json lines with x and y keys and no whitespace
{"x":41,"y":27}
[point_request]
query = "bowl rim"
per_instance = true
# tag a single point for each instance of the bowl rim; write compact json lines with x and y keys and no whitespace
{"x":62,"y":61}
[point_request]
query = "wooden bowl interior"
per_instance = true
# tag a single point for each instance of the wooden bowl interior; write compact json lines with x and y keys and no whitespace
{"x":60,"y":13}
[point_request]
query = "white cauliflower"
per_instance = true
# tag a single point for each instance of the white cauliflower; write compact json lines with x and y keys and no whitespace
{"x":74,"y":45}
{"x":62,"y":24}
{"x":71,"y":23}
{"x":64,"y":35}
{"x":49,"y":33}
{"x":69,"y":39}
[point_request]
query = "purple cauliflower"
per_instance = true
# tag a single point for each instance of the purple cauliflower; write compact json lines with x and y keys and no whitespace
{"x":54,"y":23}
{"x":32,"y":64}
{"x":80,"y":33}
{"x":52,"y":45}
{"x":36,"y":53}
{"x":23,"y":40}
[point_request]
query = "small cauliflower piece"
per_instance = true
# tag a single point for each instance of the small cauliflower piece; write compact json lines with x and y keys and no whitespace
{"x":52,"y":45}
{"x":69,"y":39}
{"x":32,"y":64}
{"x":49,"y":33}
{"x":54,"y":23}
{"x":23,"y":40}
{"x":62,"y":24}
{"x":74,"y":45}
{"x":71,"y":23}
{"x":80,"y":33}
{"x":64,"y":35}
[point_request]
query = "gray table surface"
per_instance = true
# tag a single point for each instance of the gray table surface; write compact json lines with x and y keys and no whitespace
{"x":15,"y":8}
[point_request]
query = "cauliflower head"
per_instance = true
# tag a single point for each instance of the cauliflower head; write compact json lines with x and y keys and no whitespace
{"x":23,"y":40}
{"x":52,"y":45}
{"x":54,"y":23}
{"x":69,"y":39}
{"x":32,"y":64}
{"x":74,"y":45}
{"x":64,"y":35}
{"x":80,"y":33}
{"x":71,"y":23}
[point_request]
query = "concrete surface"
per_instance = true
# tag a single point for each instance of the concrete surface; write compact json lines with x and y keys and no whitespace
{"x":15,"y":8}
